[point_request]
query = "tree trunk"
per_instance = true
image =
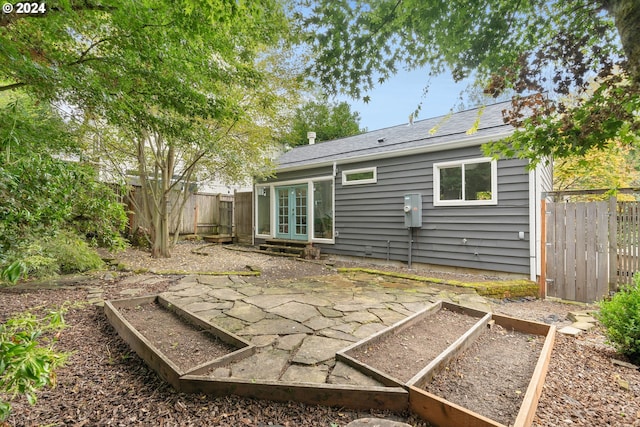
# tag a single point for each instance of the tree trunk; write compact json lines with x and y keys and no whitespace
{"x":626,"y":14}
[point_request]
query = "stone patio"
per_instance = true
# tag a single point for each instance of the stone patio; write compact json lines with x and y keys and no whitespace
{"x":299,"y":325}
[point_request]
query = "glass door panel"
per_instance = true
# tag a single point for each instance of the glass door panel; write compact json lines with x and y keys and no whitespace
{"x":292,"y":212}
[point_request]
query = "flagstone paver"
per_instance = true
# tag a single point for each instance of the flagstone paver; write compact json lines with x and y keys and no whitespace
{"x":192,"y":291}
{"x":361,"y":317}
{"x":315,"y":300}
{"x":387,"y":316}
{"x":316,"y":349}
{"x":214,"y":281}
{"x":330,"y":312}
{"x":320,"y":322}
{"x":226,"y":294}
{"x":264,"y":340}
{"x":306,"y":374}
{"x":268,"y":301}
{"x":332,"y":333}
{"x":290,"y":342}
{"x":368,"y":329}
{"x":275,"y":326}
{"x":200,"y":306}
{"x":416,"y":306}
{"x":295,"y":311}
{"x":231,"y":324}
{"x":266,"y":365}
{"x":249,"y":290}
{"x":247,"y":312}
{"x":345,"y":374}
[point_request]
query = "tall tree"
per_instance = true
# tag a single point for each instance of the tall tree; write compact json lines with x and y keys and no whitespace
{"x":328,"y":120}
{"x":174,"y":79}
{"x":611,"y":167}
{"x":529,"y":47}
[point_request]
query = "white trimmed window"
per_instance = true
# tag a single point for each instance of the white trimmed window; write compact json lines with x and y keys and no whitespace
{"x":465,"y":182}
{"x":360,"y":176}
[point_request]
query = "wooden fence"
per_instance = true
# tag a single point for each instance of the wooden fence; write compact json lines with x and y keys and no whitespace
{"x":591,"y":248}
{"x":627,"y":241}
{"x":243,"y":216}
{"x":203,"y":214}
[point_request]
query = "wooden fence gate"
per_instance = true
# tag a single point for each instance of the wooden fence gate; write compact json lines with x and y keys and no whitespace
{"x":591,"y":248}
{"x":243,"y":216}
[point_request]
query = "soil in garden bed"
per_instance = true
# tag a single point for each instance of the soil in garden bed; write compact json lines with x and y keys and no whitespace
{"x":491,"y":377}
{"x":185,"y":344}
{"x":404,"y":354}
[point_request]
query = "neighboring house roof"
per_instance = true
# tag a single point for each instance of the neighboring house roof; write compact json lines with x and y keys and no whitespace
{"x":445,"y":132}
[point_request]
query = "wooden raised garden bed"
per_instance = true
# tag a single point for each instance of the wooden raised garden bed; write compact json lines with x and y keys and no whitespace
{"x":496,"y":382}
{"x":428,"y":338}
{"x":139,"y":321}
{"x":130,"y":318}
{"x":435,"y":362}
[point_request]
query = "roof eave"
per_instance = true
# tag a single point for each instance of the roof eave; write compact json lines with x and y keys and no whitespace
{"x":470,"y":142}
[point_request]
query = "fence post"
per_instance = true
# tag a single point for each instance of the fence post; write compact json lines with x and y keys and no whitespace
{"x":613,"y":244}
{"x":195,"y":219}
{"x":542,"y":279}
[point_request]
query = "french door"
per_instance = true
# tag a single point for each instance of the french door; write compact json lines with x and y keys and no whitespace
{"x":292,"y":212}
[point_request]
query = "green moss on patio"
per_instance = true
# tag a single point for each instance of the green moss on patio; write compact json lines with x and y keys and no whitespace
{"x":492,"y":289}
{"x":205,"y":273}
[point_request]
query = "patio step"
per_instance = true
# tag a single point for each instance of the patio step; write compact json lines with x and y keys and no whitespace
{"x":294,"y":248}
{"x":282,"y":249}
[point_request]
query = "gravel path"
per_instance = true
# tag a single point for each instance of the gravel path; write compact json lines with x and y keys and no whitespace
{"x":105,"y":383}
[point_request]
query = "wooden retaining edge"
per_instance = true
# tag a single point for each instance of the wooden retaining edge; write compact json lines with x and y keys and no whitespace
{"x":532,"y":396}
{"x":347,"y":396}
{"x":460,"y":344}
{"x":155,"y":359}
{"x":440,"y":412}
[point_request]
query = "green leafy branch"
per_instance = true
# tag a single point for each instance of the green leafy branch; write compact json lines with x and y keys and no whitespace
{"x":28,"y":359}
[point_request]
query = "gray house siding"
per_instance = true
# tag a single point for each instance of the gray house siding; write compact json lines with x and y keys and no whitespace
{"x":369,"y":218}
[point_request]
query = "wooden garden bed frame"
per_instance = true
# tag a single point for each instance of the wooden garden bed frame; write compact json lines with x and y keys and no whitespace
{"x":194,"y":380}
{"x":394,"y":395}
{"x":156,"y":360}
{"x":459,"y":345}
{"x":440,"y":412}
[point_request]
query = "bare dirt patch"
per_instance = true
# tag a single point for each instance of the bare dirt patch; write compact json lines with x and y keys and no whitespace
{"x":404,"y":354}
{"x":491,"y":377}
{"x":186,"y":345}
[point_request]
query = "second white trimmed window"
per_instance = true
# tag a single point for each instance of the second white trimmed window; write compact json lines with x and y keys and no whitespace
{"x":360,"y":176}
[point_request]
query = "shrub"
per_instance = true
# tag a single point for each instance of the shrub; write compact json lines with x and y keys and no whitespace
{"x":63,"y":253}
{"x":621,"y":317}
{"x":72,"y":254}
{"x":27,"y":356}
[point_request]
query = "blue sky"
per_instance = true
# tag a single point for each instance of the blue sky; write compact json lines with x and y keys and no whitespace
{"x":392,"y":102}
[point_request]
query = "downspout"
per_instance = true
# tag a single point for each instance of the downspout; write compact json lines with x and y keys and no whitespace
{"x":534,"y":217}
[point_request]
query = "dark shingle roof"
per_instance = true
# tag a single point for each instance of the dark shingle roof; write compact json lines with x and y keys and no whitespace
{"x":437,"y":131}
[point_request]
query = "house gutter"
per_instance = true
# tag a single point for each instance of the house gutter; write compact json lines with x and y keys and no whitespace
{"x":401,"y":152}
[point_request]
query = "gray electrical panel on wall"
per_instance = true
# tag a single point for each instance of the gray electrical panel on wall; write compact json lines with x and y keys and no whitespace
{"x":413,"y":210}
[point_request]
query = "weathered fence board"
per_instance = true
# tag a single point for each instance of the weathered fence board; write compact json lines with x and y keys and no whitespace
{"x":201,"y":214}
{"x":577,"y":250}
{"x":628,"y":236}
{"x":243,"y":215}
{"x":591,"y":248}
